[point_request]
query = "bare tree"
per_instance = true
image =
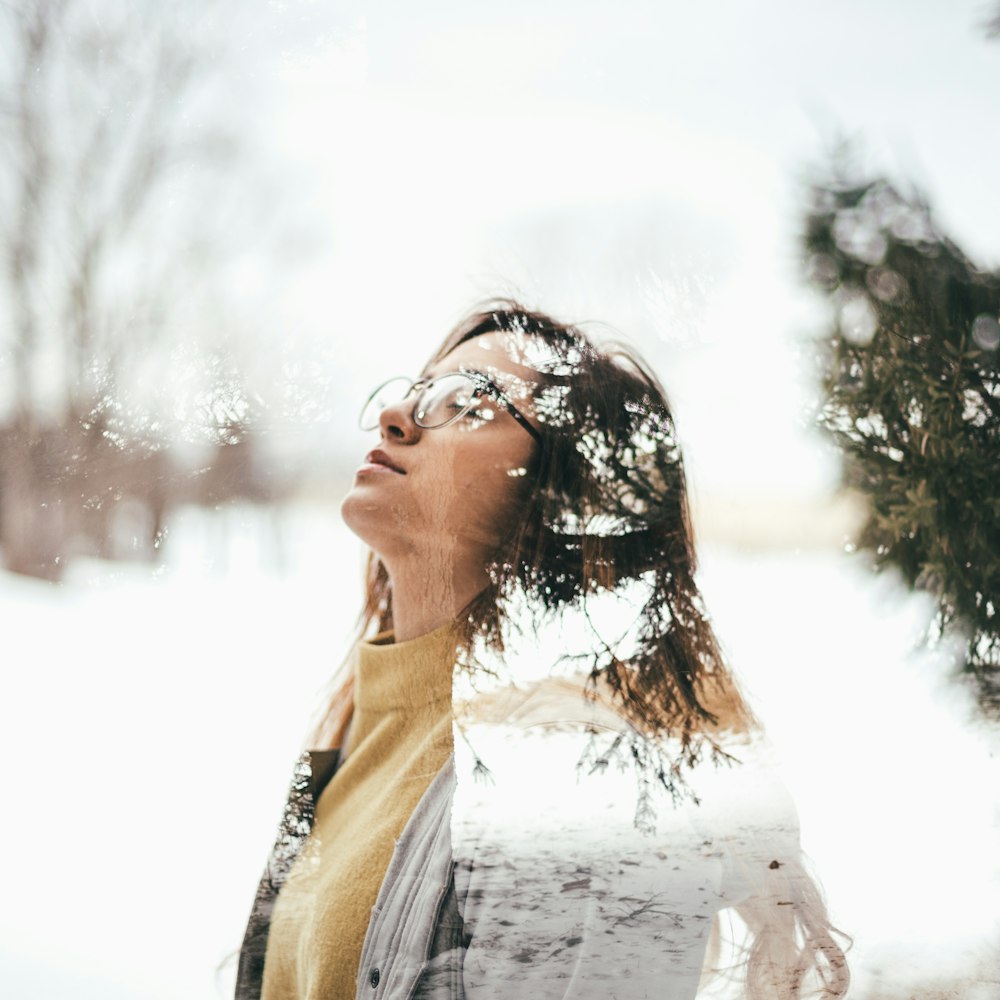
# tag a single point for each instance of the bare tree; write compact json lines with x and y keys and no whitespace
{"x":116,"y":165}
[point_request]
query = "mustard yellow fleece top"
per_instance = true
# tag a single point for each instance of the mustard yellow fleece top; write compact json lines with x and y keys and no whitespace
{"x":400,"y":737}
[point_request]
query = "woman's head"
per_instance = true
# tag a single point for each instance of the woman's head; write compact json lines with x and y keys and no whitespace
{"x":456,"y":449}
{"x":597,"y":503}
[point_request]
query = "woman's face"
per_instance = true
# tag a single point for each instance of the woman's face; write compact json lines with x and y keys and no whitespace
{"x":450,"y":493}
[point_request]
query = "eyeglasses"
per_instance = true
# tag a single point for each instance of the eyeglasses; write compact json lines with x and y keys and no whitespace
{"x":440,"y":400}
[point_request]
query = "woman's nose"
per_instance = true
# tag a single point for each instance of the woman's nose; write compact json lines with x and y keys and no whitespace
{"x":396,"y":421}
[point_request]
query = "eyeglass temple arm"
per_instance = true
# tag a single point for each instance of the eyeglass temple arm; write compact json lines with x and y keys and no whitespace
{"x":497,"y":393}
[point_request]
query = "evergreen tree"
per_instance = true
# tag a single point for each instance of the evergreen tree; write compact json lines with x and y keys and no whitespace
{"x":911,"y":394}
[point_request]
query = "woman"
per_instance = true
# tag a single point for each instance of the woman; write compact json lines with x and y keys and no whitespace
{"x":526,"y":509}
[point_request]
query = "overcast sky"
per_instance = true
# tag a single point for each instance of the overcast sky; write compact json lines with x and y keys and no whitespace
{"x":638,"y":164}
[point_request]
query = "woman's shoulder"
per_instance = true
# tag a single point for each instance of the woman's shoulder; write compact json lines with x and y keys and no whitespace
{"x":557,"y":753}
{"x":551,"y":703}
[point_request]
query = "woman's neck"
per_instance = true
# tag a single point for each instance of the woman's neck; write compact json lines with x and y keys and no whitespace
{"x":426,"y":595}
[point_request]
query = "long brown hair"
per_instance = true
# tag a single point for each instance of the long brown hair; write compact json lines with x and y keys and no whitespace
{"x":604,"y":505}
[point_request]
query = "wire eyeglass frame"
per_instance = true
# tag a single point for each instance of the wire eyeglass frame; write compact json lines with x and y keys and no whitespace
{"x":482,"y":384}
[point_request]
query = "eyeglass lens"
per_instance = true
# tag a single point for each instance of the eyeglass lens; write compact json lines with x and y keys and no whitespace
{"x":438,"y":402}
{"x":387,"y":394}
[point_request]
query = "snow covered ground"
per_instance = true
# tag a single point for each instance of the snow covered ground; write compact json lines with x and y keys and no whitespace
{"x":149,"y":720}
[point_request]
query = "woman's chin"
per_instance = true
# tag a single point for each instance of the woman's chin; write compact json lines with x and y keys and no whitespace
{"x":375,"y":521}
{"x":356,"y":511}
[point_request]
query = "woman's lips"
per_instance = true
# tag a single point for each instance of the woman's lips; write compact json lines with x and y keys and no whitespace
{"x":379,"y":461}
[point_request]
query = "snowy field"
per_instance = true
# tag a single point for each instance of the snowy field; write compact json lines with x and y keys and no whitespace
{"x":150,"y":720}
